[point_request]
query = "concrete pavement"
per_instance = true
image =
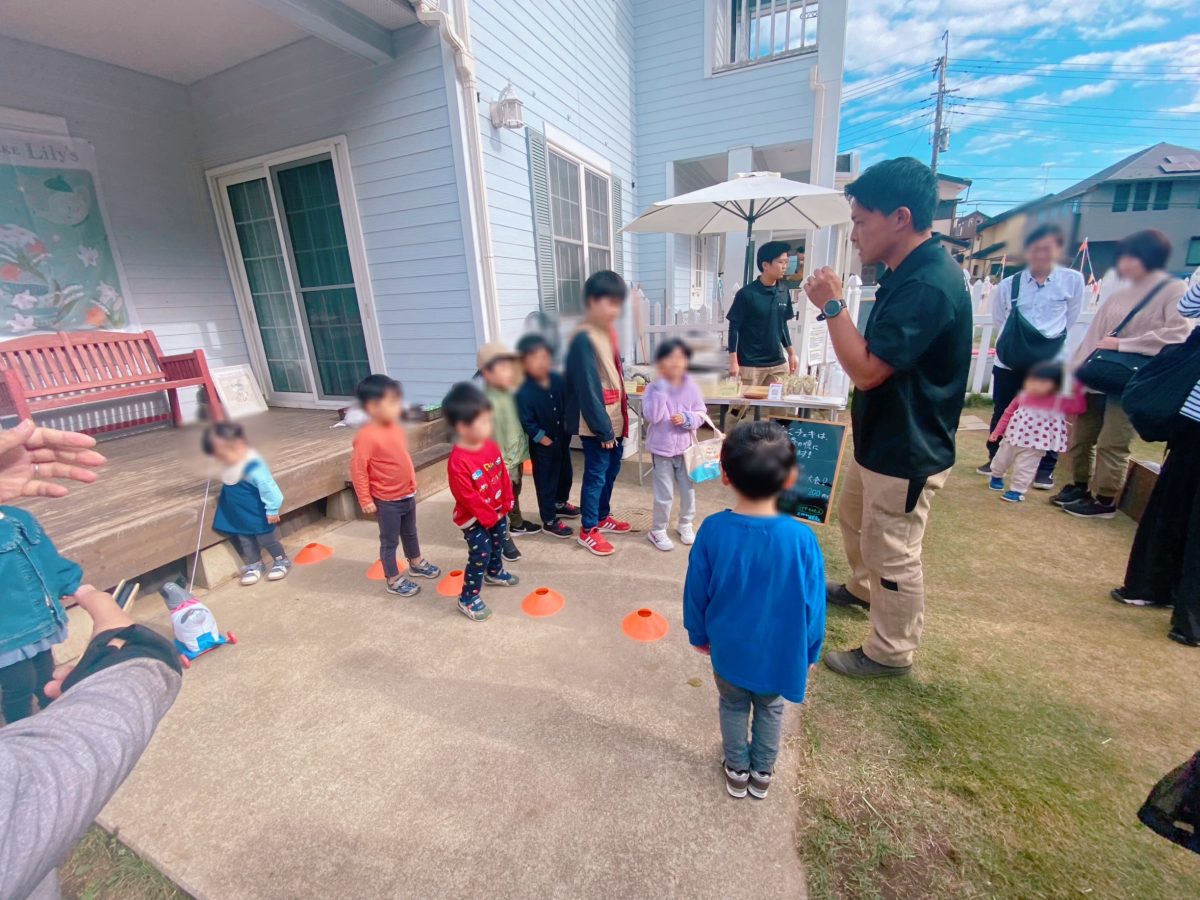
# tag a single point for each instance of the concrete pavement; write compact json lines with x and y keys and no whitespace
{"x":356,"y":744}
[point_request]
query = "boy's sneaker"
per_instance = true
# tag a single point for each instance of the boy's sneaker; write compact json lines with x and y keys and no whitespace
{"x":995,"y":483}
{"x":735,"y":782}
{"x":594,"y":541}
{"x":558,"y":529}
{"x":660,"y":540}
{"x":279,"y":569}
{"x":1013,"y":497}
{"x":615,"y":525}
{"x":1070,"y":494}
{"x":476,"y":610}
{"x":252,"y":574}
{"x":405,"y":587}
{"x":568,"y":511}
{"x":760,"y":783}
{"x":424,"y":569}
{"x":687,"y":534}
{"x":985,"y":469}
{"x":526,"y":527}
{"x":1091,"y":508}
{"x":510,"y":551}
{"x":504,"y":579}
{"x":1043,"y":482}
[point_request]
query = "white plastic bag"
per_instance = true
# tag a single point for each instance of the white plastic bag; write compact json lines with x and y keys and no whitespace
{"x":703,"y":459}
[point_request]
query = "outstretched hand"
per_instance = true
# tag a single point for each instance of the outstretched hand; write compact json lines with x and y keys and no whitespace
{"x":105,"y":614}
{"x":30,"y":454}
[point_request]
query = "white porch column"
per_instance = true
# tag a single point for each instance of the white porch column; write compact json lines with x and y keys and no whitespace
{"x":740,"y":159}
{"x":826,"y":81}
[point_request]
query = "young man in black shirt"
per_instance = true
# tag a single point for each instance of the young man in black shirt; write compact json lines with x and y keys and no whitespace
{"x":910,"y":377}
{"x":758,"y":321}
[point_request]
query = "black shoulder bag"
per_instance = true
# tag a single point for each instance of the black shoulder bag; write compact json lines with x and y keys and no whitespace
{"x":1109,"y":371}
{"x":1020,"y":345}
{"x":1158,"y":391}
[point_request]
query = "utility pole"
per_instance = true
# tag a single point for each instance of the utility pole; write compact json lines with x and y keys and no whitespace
{"x":938,"y":129}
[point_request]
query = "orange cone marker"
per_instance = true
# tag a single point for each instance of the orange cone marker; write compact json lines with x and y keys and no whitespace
{"x":644,"y":625}
{"x":376,"y":573}
{"x":527,"y":467}
{"x":542,"y":602}
{"x":313,"y":553}
{"x":452,"y":584}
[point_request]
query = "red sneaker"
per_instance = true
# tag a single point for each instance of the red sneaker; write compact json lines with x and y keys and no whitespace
{"x":615,"y":525}
{"x":594,"y":541}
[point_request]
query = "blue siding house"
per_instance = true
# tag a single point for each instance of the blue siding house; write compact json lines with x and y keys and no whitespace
{"x":322,"y":188}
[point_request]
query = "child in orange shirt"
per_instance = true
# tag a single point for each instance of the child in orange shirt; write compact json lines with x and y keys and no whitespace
{"x":386,"y":482}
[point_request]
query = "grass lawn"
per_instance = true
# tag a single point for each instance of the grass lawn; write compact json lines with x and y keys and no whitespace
{"x":102,"y":868}
{"x":1039,"y":714}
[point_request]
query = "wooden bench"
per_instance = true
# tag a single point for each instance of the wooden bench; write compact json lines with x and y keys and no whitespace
{"x":49,"y":372}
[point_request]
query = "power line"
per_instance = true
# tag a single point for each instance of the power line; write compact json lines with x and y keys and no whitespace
{"x":1050,"y":118}
{"x":1036,"y":72}
{"x":866,"y":88}
{"x":895,"y":134}
{"x":1098,"y":66}
{"x":1106,"y":109}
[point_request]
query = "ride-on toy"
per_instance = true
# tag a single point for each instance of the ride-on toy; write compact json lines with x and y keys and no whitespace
{"x":195,"y":626}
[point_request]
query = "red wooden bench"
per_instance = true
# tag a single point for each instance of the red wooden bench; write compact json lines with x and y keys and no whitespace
{"x":71,"y":368}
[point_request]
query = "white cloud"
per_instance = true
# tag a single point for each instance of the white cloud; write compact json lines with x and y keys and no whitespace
{"x":1088,"y":91}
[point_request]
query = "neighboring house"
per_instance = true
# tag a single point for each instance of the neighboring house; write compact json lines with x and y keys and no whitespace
{"x":321,"y":188}
{"x":1158,"y":187}
{"x":966,"y":226}
{"x":996,"y":245}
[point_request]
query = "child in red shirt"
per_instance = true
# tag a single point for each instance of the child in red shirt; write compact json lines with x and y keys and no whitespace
{"x":385,"y":482}
{"x":483,"y":495}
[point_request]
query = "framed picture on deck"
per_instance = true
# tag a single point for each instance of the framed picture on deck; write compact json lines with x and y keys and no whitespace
{"x":239,"y":391}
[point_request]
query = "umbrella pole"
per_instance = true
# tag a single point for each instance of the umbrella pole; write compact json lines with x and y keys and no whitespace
{"x":748,"y":270}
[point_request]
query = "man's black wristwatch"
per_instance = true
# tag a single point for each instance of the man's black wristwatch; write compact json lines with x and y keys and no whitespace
{"x":832,"y":308}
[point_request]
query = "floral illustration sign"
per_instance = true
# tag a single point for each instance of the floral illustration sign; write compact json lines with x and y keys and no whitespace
{"x":58,"y":270}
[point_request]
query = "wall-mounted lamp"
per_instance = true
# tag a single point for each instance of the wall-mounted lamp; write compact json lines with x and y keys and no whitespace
{"x":507,"y":112}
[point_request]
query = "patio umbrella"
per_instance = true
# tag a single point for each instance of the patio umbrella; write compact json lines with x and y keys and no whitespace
{"x":762,"y":200}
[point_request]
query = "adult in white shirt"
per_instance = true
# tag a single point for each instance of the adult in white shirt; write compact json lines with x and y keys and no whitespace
{"x":1032,"y":311}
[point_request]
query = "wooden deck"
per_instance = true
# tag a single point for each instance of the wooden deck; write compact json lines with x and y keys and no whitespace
{"x":145,"y":509}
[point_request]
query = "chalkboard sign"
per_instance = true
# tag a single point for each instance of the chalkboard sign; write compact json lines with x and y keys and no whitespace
{"x":819,"y":448}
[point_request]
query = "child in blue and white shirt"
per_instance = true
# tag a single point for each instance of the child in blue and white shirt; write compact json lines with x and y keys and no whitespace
{"x":248,"y":509}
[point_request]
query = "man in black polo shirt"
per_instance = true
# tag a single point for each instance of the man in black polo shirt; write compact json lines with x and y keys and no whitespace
{"x":758,"y":321}
{"x":910,"y":379}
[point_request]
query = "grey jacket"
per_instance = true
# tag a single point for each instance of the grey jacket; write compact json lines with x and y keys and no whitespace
{"x":58,"y":768}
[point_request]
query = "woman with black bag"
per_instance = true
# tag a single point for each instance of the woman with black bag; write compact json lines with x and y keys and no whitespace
{"x":1164,"y":564}
{"x":1129,"y":329}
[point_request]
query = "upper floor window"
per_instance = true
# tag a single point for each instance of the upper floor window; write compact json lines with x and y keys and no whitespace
{"x":1141,"y":196}
{"x":1135,"y":196}
{"x":1162,"y":195}
{"x":754,"y":31}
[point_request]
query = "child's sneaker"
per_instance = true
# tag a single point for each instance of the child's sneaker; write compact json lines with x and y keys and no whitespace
{"x":594,"y":541}
{"x":476,"y":610}
{"x":568,"y":511}
{"x":687,"y":534}
{"x":615,"y":525}
{"x":510,"y":551}
{"x":760,"y":783}
{"x":405,"y":587}
{"x":504,"y":579}
{"x":424,"y":569}
{"x":1013,"y":497}
{"x":558,"y":529}
{"x":252,"y":574}
{"x":995,"y":483}
{"x":526,"y":527}
{"x":279,"y":569}
{"x":660,"y":540}
{"x":735,"y":782}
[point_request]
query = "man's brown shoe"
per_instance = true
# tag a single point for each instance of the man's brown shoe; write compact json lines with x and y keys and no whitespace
{"x":857,"y":664}
{"x":839,"y":595}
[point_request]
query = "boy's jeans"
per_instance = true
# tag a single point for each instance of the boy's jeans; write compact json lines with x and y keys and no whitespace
{"x":759,"y":753}
{"x":484,"y":546}
{"x":670,"y":472}
{"x":397,"y":525}
{"x":600,"y":468}
{"x":551,"y":476}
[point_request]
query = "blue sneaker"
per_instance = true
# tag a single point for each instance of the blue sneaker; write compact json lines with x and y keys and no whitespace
{"x":403,"y":586}
{"x":424,"y":569}
{"x":504,"y":579}
{"x":995,"y":483}
{"x":476,"y":610}
{"x":1013,"y":497}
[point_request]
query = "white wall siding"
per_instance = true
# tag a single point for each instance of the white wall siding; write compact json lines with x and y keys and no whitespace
{"x":397,"y":125}
{"x":153,"y":190}
{"x":571,"y":63}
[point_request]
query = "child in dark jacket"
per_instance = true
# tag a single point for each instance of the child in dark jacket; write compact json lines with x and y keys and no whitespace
{"x":540,"y":404}
{"x":32,"y":619}
{"x":754,"y":600}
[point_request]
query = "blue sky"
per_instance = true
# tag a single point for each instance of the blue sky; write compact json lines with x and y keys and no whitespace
{"x":1077,"y":86}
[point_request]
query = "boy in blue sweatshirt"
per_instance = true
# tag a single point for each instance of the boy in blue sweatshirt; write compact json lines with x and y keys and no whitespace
{"x":754,"y":599}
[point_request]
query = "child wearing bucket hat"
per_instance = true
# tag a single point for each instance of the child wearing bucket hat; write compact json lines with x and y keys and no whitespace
{"x":498,"y":368}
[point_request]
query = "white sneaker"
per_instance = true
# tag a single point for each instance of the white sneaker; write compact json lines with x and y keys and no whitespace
{"x":660,"y":540}
{"x":252,"y":574}
{"x":687,"y":534}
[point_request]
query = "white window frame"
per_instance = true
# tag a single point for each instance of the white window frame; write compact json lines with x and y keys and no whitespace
{"x":585,"y":162}
{"x":219,"y":178}
{"x":720,"y":31}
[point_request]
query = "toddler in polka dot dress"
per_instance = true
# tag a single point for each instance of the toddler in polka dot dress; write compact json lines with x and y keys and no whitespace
{"x":1036,"y":421}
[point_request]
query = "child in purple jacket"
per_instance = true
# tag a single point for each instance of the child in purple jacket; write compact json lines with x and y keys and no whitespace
{"x":673,"y":407}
